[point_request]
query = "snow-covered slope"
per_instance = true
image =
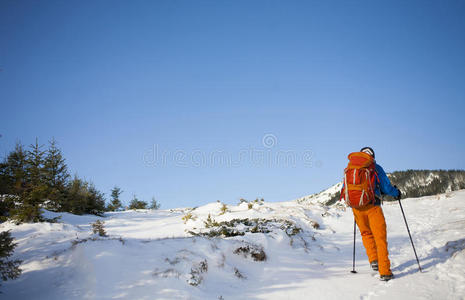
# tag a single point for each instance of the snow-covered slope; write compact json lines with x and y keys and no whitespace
{"x":288,"y":250}
{"x":322,"y":197}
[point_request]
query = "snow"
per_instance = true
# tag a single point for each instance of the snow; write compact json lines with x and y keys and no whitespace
{"x":321,"y":197}
{"x":151,"y":254}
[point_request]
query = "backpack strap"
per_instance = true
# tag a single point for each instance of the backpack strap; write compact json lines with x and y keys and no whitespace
{"x":377,"y":184}
{"x":345,"y":189}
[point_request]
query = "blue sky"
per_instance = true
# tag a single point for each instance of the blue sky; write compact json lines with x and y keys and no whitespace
{"x":112,"y":81}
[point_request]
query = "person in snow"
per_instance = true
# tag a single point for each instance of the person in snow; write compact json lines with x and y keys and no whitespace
{"x":372,"y":225}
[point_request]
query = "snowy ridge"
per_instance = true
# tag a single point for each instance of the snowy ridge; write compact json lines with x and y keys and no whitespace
{"x":322,"y":197}
{"x":286,"y":250}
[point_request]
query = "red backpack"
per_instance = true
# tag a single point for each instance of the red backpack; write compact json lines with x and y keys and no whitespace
{"x":359,"y":180}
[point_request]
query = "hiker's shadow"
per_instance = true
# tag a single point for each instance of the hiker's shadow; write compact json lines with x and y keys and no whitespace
{"x":435,"y":257}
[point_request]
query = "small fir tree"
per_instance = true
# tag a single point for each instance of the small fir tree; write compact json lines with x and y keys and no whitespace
{"x":34,"y":192}
{"x":98,"y":228}
{"x":84,"y":198}
{"x":9,"y":269}
{"x":154,"y":204}
{"x":29,"y":209}
{"x":115,"y":201}
{"x":76,"y":196}
{"x":14,"y":171}
{"x":95,"y":201}
{"x":56,"y":176}
{"x":137,"y":204}
{"x":35,"y":165}
{"x":13,"y":181}
{"x":223,"y":209}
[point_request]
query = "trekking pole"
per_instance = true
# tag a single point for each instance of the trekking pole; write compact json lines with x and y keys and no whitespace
{"x":408,"y":230}
{"x":353,"y":262}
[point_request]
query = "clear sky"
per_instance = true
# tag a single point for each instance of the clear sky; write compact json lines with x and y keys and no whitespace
{"x":198,"y":101}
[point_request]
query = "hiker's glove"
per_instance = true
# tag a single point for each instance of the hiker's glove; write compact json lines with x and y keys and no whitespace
{"x":400,"y":194}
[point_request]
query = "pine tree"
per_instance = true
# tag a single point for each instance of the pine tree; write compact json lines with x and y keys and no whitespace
{"x":13,"y":180}
{"x":115,"y":202}
{"x":14,"y":171}
{"x":95,"y":201}
{"x":56,"y":176}
{"x":5,"y":180}
{"x":136,"y":204}
{"x":76,"y":196}
{"x":154,"y":204}
{"x":83,"y":198}
{"x":34,"y":193}
{"x":35,"y":164}
{"x":9,"y":269}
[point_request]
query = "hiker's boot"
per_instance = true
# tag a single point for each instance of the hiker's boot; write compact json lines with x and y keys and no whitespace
{"x":386,"y":277}
{"x":374,"y":265}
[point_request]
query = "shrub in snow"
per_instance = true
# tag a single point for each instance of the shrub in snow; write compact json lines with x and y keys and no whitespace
{"x":188,"y":216}
{"x":137,"y":204}
{"x":154,"y":204}
{"x":196,"y":273}
{"x":9,"y":269}
{"x":250,"y":205}
{"x":238,"y":274}
{"x":173,"y":261}
{"x":259,"y":201}
{"x":223,"y":209}
{"x":167,"y":273}
{"x":210,"y":222}
{"x":97,"y":227}
{"x":242,"y":200}
{"x":315,"y":224}
{"x":256,"y":252}
{"x":238,"y":227}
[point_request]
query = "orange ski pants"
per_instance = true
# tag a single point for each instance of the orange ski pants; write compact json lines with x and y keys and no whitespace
{"x":372,"y":226}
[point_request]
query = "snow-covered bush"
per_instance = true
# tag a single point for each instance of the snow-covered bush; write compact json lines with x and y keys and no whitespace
{"x":242,"y":200}
{"x":98,"y":227}
{"x":238,"y":227}
{"x":188,"y":216}
{"x":210,"y":222}
{"x":255,"y":252}
{"x":137,"y":204}
{"x":238,"y":274}
{"x":154,"y":204}
{"x":223,"y":209}
{"x":197,"y":270}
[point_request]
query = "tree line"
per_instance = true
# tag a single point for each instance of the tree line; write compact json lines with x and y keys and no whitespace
{"x":419,"y":183}
{"x":34,"y":178}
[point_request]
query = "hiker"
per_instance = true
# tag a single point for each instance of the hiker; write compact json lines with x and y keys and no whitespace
{"x":364,"y":183}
